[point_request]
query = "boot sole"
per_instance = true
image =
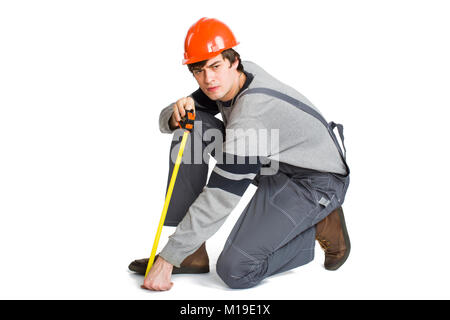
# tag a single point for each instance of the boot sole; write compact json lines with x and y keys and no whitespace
{"x":347,"y":243}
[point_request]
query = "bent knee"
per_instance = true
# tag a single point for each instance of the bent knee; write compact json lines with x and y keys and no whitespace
{"x":239,"y":273}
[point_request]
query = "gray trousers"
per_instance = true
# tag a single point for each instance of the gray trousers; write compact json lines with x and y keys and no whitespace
{"x":276,"y":230}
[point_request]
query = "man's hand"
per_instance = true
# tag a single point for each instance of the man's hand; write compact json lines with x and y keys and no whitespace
{"x":179,"y":110}
{"x":158,"y":279}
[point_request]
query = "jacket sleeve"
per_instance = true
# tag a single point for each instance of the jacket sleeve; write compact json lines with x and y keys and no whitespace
{"x":164,"y":117}
{"x":228,"y":181}
{"x":226,"y":185}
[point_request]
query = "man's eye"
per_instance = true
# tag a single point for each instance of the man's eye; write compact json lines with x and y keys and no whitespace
{"x":216,"y":66}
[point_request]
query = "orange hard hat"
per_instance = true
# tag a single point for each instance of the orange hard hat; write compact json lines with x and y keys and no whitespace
{"x":206,"y":39}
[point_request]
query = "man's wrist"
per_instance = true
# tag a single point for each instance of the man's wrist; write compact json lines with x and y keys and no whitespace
{"x":165,"y":264}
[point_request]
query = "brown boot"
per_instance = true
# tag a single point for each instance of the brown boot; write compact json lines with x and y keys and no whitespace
{"x":198,"y":262}
{"x":332,"y":235}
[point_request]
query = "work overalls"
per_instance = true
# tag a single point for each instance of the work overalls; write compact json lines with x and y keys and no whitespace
{"x":276,"y":231}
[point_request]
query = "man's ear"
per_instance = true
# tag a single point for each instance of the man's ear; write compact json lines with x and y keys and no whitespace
{"x":235,"y":64}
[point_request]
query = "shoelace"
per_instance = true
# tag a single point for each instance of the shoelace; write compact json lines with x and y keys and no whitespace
{"x":325,"y":244}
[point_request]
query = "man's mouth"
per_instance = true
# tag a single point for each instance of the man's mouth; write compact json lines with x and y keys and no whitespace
{"x":212,"y":89}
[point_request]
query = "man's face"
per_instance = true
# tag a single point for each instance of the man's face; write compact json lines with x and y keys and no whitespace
{"x":216,"y":79}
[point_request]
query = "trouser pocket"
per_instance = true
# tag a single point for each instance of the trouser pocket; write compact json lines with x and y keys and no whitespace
{"x":297,"y":204}
{"x":294,"y":201}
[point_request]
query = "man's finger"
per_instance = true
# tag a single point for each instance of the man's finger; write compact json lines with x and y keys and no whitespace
{"x":190,"y":105}
{"x":176,"y":113}
{"x":180,"y":106}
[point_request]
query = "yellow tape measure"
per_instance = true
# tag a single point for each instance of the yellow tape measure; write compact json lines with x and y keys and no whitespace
{"x":167,"y":201}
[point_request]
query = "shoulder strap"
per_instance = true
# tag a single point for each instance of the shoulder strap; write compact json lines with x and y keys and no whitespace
{"x":304,"y":107}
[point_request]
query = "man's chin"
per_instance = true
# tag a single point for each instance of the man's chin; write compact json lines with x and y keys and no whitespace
{"x":213,"y":96}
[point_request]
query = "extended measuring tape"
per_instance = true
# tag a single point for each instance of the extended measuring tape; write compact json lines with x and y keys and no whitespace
{"x":188,"y":125}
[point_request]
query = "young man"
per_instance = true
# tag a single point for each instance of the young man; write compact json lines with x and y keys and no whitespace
{"x":298,"y":167}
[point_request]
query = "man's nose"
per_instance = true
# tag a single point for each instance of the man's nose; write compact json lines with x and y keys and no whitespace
{"x":209,"y":76}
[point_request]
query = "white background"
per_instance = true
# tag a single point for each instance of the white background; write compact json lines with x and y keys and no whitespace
{"x":83,"y":166}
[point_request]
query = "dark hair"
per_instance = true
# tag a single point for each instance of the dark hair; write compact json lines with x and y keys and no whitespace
{"x":228,"y":54}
